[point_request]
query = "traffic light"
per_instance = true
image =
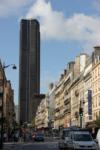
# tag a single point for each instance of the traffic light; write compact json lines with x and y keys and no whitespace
{"x":81,"y":111}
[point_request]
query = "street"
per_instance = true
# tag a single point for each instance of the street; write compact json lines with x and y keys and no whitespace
{"x":32,"y":146}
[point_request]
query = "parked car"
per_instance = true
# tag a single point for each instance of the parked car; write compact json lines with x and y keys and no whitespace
{"x":78,"y":139}
{"x":39,"y":137}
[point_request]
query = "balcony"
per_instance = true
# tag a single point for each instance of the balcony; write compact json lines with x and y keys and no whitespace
{"x":66,"y":97}
{"x":67,"y":110}
{"x":57,"y":110}
{"x":56,"y":117}
{"x":67,"y":101}
{"x":61,"y":115}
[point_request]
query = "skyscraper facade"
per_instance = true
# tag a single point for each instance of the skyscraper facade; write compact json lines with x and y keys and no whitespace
{"x":29,"y":68}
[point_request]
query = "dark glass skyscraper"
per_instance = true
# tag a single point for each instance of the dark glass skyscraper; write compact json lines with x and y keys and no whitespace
{"x":29,"y":68}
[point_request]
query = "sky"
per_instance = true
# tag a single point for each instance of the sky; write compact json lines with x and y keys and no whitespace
{"x":67,"y":27}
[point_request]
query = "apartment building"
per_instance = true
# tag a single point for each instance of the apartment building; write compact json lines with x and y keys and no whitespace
{"x":59,"y":103}
{"x":8,"y":99}
{"x":67,"y":94}
{"x":87,"y":103}
{"x":78,"y":87}
{"x":51,"y":105}
{"x":9,"y":105}
{"x":41,"y":119}
{"x":96,"y":82}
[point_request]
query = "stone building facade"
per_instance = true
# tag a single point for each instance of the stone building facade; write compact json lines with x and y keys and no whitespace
{"x":96,"y":83}
{"x":78,"y":87}
{"x":8,"y":99}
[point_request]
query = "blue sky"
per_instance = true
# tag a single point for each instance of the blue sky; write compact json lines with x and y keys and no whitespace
{"x":67,"y":29}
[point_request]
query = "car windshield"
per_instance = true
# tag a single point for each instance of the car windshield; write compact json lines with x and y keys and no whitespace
{"x":82,"y":137}
{"x":39,"y":134}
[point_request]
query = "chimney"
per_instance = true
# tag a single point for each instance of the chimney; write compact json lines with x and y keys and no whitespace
{"x":51,"y":85}
{"x":70,"y":65}
{"x":97,"y":50}
{"x":65,"y":71}
{"x":61,"y":77}
{"x":96,"y":55}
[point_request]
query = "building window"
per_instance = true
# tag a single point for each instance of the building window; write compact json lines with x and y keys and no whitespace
{"x":95,"y":73}
{"x":99,"y":100}
{"x":98,"y":70}
{"x":76,"y":93}
{"x":96,"y":101}
{"x":96,"y":115}
{"x":98,"y":85}
{"x":93,"y":104}
{"x":95,"y":87}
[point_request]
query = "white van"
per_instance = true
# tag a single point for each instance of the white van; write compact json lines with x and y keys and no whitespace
{"x":77,"y":139}
{"x":81,"y":139}
{"x":98,"y":137}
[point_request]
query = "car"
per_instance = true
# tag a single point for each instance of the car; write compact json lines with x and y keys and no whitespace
{"x":63,"y":134}
{"x":39,"y":137}
{"x":80,"y":139}
{"x":77,"y":139}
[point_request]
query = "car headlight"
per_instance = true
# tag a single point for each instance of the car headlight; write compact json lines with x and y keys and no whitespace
{"x":94,"y":145}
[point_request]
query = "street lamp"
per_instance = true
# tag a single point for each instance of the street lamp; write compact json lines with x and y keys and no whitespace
{"x":2,"y":83}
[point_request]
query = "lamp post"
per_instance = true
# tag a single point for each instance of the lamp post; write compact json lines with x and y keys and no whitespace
{"x":2,"y":83}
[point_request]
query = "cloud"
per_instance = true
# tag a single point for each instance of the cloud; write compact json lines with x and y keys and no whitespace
{"x":11,"y":6}
{"x":96,"y":4}
{"x":54,"y":25}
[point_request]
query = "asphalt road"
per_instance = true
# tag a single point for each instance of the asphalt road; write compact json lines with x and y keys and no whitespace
{"x":40,"y":146}
{"x":32,"y":146}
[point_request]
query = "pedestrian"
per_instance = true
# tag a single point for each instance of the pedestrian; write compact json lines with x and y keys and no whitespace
{"x":5,"y":137}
